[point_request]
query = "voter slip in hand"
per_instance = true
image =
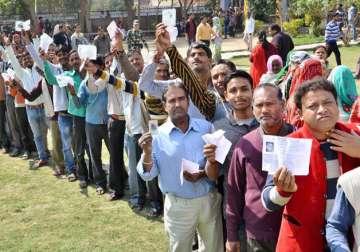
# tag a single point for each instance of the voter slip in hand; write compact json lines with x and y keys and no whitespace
{"x":292,"y":153}
{"x":111,"y":29}
{"x":22,"y":25}
{"x":63,"y":81}
{"x":189,"y":166}
{"x":87,"y":52}
{"x":222,"y":144}
{"x":45,"y":42}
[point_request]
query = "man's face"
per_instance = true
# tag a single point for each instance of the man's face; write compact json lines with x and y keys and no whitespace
{"x":239,"y":93}
{"x":108,"y":62}
{"x":137,"y":61}
{"x":27,"y":60}
{"x":136,"y":26}
{"x":77,"y":29}
{"x":271,"y":32}
{"x":268,"y":109}
{"x":218,"y":74}
{"x":51,"y":52}
{"x":74,"y":61}
{"x":162,"y":72}
{"x":62,"y":58}
{"x":176,"y":104}
{"x":199,"y":61}
{"x":204,"y":20}
{"x":319,"y":110}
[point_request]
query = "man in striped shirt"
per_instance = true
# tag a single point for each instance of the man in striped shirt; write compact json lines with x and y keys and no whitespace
{"x":332,"y":34}
{"x":308,"y":200}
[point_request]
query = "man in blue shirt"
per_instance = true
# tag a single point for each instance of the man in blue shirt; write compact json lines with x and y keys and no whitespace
{"x":192,"y":203}
{"x":332,"y":34}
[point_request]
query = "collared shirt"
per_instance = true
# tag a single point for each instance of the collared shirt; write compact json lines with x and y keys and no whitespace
{"x":95,"y":102}
{"x":233,"y":132}
{"x":204,"y":32}
{"x":205,"y":100}
{"x":29,"y":77}
{"x":72,"y":108}
{"x":170,"y":146}
{"x":60,"y":98}
{"x":332,"y":31}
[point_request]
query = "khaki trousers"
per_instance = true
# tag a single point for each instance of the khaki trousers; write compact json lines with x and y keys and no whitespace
{"x":183,"y":216}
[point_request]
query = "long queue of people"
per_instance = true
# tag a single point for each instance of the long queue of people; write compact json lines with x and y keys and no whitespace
{"x":231,"y":206}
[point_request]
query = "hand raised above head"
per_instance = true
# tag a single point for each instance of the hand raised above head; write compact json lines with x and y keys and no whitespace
{"x":162,"y":37}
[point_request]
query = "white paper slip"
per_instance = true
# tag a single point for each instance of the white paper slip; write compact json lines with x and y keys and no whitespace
{"x":11,"y":73}
{"x":169,"y":17}
{"x":6,"y":76}
{"x":63,"y":81}
{"x":173,"y":33}
{"x":223,"y":145}
{"x":22,"y":25}
{"x":292,"y":153}
{"x":189,"y":166}
{"x":111,"y":29}
{"x":87,"y":52}
{"x":45,"y":42}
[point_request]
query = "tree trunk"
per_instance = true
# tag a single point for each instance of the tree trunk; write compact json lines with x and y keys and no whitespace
{"x":29,"y":9}
{"x":84,"y":16}
{"x":129,"y":4}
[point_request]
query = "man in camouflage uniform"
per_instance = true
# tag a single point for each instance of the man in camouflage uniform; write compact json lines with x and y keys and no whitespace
{"x":135,"y":38}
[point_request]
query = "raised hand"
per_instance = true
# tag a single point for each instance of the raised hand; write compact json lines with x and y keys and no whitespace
{"x":284,"y":180}
{"x":43,"y":55}
{"x":117,"y":41}
{"x":162,"y":37}
{"x":209,"y":152}
{"x":145,"y":142}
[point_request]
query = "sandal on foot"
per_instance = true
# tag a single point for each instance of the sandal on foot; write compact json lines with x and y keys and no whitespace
{"x":100,"y":190}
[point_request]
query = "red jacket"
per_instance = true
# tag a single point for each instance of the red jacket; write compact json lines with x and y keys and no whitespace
{"x":303,"y":222}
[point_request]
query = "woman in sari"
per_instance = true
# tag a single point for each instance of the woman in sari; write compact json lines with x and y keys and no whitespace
{"x":307,"y":70}
{"x":259,"y":57}
{"x":344,"y":83}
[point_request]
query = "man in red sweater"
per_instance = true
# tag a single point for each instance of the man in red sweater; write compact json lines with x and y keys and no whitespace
{"x":308,"y":200}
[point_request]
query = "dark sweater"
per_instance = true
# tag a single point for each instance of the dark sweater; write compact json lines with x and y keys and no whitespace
{"x":245,"y":183}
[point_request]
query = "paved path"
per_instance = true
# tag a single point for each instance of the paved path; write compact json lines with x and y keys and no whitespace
{"x":231,"y":47}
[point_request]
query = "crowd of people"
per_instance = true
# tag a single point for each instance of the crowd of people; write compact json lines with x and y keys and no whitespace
{"x":233,"y":206}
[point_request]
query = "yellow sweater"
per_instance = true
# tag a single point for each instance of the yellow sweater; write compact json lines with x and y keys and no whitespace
{"x":204,"y":32}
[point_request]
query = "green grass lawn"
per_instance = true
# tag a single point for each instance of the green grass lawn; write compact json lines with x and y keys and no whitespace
{"x":307,"y":39}
{"x":41,"y":213}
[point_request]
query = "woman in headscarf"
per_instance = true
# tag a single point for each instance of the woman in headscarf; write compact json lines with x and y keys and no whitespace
{"x":274,"y":66}
{"x":307,"y":70}
{"x":344,"y":83}
{"x":259,"y":57}
{"x":217,"y":39}
{"x":285,"y":76}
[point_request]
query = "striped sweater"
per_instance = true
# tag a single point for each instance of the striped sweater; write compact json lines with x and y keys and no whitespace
{"x":332,"y":31}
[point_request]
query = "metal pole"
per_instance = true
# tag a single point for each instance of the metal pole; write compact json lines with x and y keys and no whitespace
{"x":36,"y":8}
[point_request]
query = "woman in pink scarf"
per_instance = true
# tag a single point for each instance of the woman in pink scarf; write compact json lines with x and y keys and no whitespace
{"x":274,"y":65}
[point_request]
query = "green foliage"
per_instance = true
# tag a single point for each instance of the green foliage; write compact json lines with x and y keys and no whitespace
{"x":315,"y":12}
{"x":263,"y":8}
{"x":259,"y":25}
{"x":293,"y":26}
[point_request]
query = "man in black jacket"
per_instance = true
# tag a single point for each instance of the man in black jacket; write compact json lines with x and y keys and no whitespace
{"x":281,"y":41}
